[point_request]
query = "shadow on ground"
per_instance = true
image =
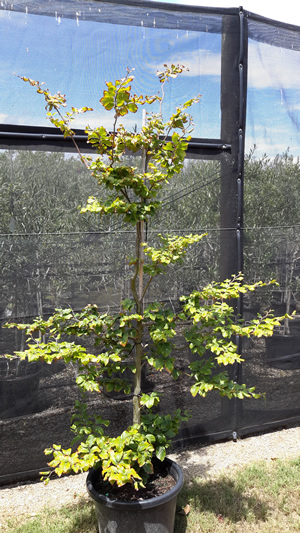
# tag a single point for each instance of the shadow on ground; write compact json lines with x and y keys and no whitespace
{"x":222,"y":499}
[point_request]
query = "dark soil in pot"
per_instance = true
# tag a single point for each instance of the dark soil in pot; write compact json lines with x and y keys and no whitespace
{"x":159,"y":483}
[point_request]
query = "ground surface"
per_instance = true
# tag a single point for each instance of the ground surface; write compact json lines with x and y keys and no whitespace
{"x":206,"y":461}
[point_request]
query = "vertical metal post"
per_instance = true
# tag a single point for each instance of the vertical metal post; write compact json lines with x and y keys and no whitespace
{"x":233,"y":107}
{"x":229,"y":134}
{"x":243,"y":64}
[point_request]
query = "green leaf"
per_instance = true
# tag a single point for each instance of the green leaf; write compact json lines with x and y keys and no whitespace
{"x":132,"y":107}
{"x":168,"y":147}
{"x":161,"y":453}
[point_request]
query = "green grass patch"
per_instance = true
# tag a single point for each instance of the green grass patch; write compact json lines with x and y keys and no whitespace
{"x":75,"y":518}
{"x":261,"y":498}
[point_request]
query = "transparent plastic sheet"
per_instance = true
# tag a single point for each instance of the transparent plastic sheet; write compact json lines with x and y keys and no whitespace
{"x":273,"y":115}
{"x":272,"y":220}
{"x":75,"y":47}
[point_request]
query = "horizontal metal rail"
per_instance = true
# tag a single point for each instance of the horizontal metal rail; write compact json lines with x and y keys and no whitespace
{"x":83,"y":138}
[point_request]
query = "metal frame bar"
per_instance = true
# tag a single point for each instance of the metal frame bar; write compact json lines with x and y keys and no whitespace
{"x":242,"y":66}
{"x":58,"y":138}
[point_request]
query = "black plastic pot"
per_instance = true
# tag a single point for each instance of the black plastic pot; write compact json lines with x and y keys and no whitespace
{"x":156,"y":515}
{"x":283,"y":351}
{"x":19,"y":396}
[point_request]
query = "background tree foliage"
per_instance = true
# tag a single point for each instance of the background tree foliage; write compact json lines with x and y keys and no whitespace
{"x":45,"y":243}
{"x":272,"y":222}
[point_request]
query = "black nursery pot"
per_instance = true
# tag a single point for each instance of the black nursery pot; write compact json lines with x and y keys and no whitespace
{"x":19,"y":395}
{"x":156,"y":515}
{"x":283,"y":351}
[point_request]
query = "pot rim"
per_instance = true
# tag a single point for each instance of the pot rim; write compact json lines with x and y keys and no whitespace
{"x":174,"y":470}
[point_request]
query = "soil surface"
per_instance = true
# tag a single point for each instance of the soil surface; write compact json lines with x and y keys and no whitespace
{"x":159,"y":483}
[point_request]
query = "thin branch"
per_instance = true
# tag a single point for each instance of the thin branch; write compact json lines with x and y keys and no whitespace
{"x":147,"y":286}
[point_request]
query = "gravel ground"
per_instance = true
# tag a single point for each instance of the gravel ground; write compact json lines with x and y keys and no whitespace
{"x":206,"y":462}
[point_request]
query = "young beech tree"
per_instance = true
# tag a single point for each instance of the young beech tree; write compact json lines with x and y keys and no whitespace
{"x":121,"y":340}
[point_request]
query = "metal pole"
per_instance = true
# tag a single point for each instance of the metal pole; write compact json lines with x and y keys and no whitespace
{"x":233,"y":107}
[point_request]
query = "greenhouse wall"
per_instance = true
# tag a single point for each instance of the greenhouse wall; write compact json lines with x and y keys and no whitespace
{"x":240,"y":185}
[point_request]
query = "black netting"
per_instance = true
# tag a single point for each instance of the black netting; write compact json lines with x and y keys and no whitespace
{"x":247,"y":201}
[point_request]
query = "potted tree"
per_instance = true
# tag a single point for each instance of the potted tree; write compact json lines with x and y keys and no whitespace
{"x":124,"y":468}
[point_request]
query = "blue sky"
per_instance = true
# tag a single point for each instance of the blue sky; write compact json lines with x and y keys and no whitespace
{"x":55,"y":50}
